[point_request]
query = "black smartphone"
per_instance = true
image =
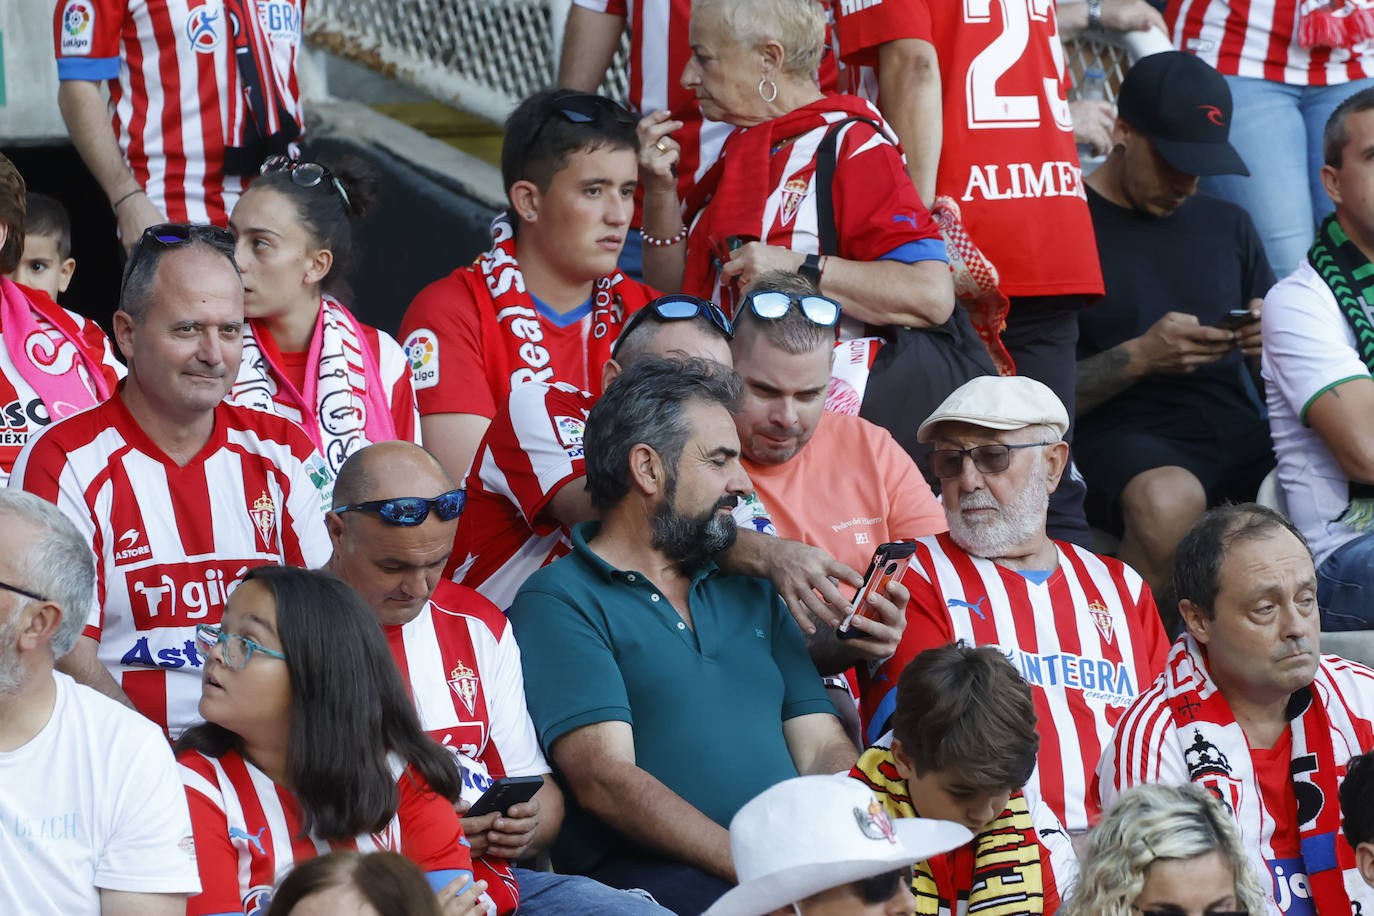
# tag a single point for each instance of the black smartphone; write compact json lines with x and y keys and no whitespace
{"x":889,"y":562}
{"x":504,"y":792}
{"x":1236,"y":318}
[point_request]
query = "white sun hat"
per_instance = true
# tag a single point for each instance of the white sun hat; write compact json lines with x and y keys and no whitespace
{"x":1000,"y":402}
{"x":812,"y":833}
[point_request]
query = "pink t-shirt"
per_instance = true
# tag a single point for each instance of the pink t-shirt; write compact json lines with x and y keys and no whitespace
{"x":849,"y":489}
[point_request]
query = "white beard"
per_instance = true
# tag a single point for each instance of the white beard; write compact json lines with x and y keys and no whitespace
{"x":1017,"y":521}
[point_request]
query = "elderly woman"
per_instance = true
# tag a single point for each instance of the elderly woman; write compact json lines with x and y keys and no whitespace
{"x":1166,"y":850}
{"x":54,"y":363}
{"x":815,"y":184}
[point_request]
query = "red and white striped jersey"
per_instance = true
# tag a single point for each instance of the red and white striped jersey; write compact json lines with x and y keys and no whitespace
{"x":1085,"y":638}
{"x":175,"y":93}
{"x":532,"y":448}
{"x":1007,"y":154}
{"x":22,"y":411}
{"x":460,"y":662}
{"x":1258,"y":38}
{"x":172,"y":542}
{"x":248,"y":832}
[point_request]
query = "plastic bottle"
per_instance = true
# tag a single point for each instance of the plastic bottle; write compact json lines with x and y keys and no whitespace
{"x":1093,"y":86}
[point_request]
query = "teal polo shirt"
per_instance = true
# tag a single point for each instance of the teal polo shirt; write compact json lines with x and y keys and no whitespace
{"x":706,"y":702}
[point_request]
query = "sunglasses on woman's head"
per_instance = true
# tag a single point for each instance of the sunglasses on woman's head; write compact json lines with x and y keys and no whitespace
{"x":305,"y":174}
{"x":772,"y":305}
{"x":677,"y":308}
{"x":409,"y":511}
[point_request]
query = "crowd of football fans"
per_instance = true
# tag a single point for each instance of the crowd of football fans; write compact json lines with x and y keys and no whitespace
{"x":828,"y":494}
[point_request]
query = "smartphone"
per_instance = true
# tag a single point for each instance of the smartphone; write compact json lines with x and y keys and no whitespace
{"x":889,"y":562}
{"x":504,"y":792}
{"x":1236,"y":318}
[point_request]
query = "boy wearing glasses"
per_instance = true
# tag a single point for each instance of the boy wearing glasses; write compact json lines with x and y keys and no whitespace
{"x":546,"y":302}
{"x":963,"y":743}
{"x":1081,"y":629}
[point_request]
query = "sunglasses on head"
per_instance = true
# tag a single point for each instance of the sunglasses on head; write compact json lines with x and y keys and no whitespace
{"x":578,"y":108}
{"x":409,"y":511}
{"x":772,"y":305}
{"x":676,"y":308}
{"x":165,"y":236}
{"x":881,"y":888}
{"x":305,"y":174}
{"x":988,"y":459}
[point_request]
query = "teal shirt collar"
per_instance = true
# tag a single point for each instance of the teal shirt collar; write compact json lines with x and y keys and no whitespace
{"x":586,"y":531}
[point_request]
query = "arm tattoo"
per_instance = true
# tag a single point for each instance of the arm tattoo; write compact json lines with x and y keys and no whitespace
{"x":1100,"y":378}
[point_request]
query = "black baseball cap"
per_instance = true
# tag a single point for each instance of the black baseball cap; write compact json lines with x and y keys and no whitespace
{"x":1184,"y":107}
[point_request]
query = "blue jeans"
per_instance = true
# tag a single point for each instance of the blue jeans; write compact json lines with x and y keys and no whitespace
{"x":1277,"y":129}
{"x":1345,"y":586}
{"x":544,"y":893}
{"x":685,"y":890}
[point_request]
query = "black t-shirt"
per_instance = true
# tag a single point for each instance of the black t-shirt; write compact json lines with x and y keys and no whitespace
{"x":1205,"y":258}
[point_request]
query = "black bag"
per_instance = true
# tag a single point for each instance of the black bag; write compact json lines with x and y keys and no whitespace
{"x":918,"y":367}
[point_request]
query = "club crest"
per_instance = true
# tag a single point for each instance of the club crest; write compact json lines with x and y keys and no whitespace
{"x":1103,"y":618}
{"x":874,"y":823}
{"x":792,"y":194}
{"x":264,"y":515}
{"x":462,"y":680}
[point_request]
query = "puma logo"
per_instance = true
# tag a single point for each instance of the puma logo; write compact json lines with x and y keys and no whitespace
{"x":254,"y":838}
{"x":976,"y":608}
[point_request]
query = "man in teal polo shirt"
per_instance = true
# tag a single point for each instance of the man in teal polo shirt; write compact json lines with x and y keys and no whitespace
{"x":666,"y":694}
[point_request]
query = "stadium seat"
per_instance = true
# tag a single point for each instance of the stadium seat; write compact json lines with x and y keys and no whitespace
{"x":1270,"y":493}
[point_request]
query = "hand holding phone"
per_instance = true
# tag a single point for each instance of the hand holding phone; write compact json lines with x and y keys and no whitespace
{"x":504,"y":792}
{"x":889,"y":563}
{"x":1236,"y":319}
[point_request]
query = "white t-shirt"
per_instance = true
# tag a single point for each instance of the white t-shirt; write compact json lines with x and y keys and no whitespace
{"x":1309,"y":348}
{"x":93,"y":801}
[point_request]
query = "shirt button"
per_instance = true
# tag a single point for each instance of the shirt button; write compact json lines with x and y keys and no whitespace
{"x":630,"y":577}
{"x":653,"y":597}
{"x":681,"y":625}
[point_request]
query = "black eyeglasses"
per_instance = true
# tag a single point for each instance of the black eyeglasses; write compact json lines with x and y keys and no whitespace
{"x":577,"y":108}
{"x":305,"y":174}
{"x":880,"y":888}
{"x":1145,"y":912}
{"x":988,"y":459}
{"x":22,"y":591}
{"x":772,"y":305}
{"x":677,"y":308}
{"x":178,"y":235}
{"x":409,"y":511}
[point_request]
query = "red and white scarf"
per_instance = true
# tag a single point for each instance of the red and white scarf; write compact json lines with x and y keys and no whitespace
{"x":63,"y":366}
{"x":1335,"y":23}
{"x":344,"y":405}
{"x":1325,"y":736}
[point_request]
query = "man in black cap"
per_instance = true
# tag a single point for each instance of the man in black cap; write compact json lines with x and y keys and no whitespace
{"x":1168,"y":423}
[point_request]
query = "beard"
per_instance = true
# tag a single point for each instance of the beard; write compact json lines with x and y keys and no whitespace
{"x":1017,"y":521}
{"x":691,"y":540}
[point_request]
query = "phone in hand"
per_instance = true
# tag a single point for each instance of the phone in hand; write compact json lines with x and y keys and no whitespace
{"x":504,"y":792}
{"x":889,"y":562}
{"x":1236,"y":319}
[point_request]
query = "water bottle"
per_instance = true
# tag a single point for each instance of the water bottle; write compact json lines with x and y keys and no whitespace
{"x":1093,"y":86}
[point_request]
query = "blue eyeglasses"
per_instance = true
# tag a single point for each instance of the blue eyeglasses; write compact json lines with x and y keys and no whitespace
{"x":237,"y":649}
{"x":409,"y":511}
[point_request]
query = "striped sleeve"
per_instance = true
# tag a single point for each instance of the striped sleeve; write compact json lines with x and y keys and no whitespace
{"x":1144,"y":748}
{"x":216,"y":858}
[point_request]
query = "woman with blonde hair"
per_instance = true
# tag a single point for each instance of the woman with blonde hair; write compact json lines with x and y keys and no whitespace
{"x":1166,"y":850}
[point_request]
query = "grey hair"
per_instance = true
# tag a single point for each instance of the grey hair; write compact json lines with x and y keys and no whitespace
{"x":58,"y":563}
{"x":140,"y":276}
{"x":798,"y":25}
{"x":1151,"y":822}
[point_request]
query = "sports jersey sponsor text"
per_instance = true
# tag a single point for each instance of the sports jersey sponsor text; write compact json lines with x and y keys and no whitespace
{"x":422,"y":350}
{"x":280,"y":19}
{"x":128,"y":548}
{"x":78,"y":27}
{"x":142,"y":654}
{"x":1097,"y":678}
{"x":1018,"y":180}
{"x":179,"y":594}
{"x":1292,"y":891}
{"x":205,"y":28}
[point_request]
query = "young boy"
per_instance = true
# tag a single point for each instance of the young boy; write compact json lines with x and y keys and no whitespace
{"x":546,"y":302}
{"x":1357,"y":804}
{"x":962,"y":745}
{"x":47,"y":263}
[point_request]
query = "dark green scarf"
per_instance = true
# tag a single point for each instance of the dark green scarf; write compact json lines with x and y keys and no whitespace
{"x":1350,"y":277}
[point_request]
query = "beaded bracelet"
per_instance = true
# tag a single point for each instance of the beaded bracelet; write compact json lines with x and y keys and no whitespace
{"x":115,"y":205}
{"x":664,"y":243}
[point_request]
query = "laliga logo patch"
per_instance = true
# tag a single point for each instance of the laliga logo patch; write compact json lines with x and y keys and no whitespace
{"x":78,"y":21}
{"x":1103,"y":618}
{"x":792,"y":194}
{"x":422,"y":349}
{"x":874,"y":823}
{"x":570,"y":430}
{"x":203,"y":29}
{"x":264,"y":515}
{"x":463,"y":681}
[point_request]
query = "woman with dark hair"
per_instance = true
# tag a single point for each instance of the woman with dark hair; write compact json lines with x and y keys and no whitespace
{"x":310,"y":743}
{"x":305,"y":356}
{"x":375,"y":884}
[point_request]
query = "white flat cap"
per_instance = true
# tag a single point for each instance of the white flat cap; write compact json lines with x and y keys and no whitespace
{"x":1000,"y":402}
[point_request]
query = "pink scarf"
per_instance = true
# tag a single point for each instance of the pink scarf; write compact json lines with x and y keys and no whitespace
{"x":344,"y":405}
{"x":50,"y":352}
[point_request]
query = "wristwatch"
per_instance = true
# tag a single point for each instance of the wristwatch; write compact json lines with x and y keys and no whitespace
{"x":811,"y":269}
{"x":1095,"y":14}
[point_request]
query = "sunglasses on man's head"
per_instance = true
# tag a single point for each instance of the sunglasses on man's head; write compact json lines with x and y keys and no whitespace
{"x":577,"y":108}
{"x":178,"y":235}
{"x":305,"y":174}
{"x":676,"y":308}
{"x":409,"y":511}
{"x":771,"y":305}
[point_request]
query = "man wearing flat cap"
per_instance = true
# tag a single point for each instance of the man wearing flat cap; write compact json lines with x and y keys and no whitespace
{"x":1081,"y":629}
{"x":1168,"y":424}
